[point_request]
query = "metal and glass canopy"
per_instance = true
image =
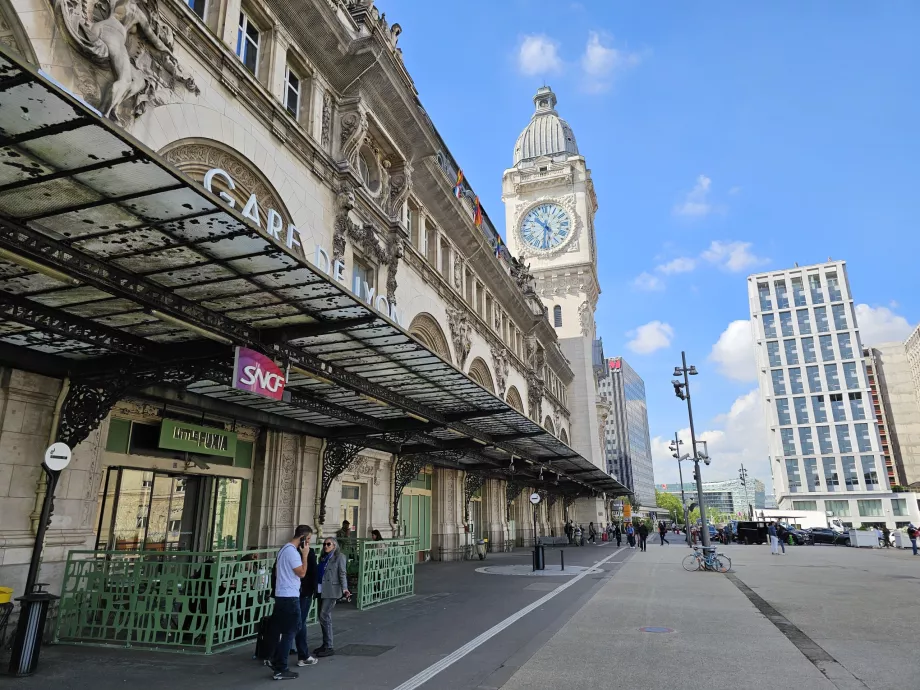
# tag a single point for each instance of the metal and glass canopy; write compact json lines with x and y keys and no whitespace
{"x":116,"y":267}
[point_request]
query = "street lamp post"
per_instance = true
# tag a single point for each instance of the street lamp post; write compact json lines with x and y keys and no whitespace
{"x":743,"y":475}
{"x":682,"y":391}
{"x":675,"y":452}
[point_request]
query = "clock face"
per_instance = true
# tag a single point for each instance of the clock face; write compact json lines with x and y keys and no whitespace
{"x":546,"y":226}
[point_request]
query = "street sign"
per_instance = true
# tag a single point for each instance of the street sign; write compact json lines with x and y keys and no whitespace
{"x":57,"y":456}
{"x":535,"y":498}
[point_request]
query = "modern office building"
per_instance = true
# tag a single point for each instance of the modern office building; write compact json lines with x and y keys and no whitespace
{"x":626,"y":436}
{"x":825,"y":448}
{"x":729,"y":496}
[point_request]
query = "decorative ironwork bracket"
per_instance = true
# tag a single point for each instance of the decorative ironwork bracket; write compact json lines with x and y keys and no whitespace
{"x":551,"y":499}
{"x":512,"y":490}
{"x":335,"y":459}
{"x":405,"y":469}
{"x":471,"y":484}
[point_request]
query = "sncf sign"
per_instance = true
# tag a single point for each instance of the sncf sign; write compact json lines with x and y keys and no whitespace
{"x":256,"y":373}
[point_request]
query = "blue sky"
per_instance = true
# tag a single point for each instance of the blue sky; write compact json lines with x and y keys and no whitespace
{"x":722,"y":140}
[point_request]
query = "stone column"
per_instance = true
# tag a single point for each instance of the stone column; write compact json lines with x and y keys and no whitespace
{"x":230,"y":22}
{"x":277,"y":490}
{"x":493,"y":504}
{"x":276,"y":59}
{"x":447,"y":495}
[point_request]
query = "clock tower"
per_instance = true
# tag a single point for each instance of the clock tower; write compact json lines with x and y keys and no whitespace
{"x":549,"y":214}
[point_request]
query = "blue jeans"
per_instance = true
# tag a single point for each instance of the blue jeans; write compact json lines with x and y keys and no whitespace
{"x":303,"y":652}
{"x":285,"y":622}
{"x":913,"y":545}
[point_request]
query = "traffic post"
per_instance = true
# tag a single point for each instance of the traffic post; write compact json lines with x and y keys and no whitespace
{"x":539,"y":563}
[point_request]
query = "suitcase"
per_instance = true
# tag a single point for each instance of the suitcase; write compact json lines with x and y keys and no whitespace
{"x":265,"y":641}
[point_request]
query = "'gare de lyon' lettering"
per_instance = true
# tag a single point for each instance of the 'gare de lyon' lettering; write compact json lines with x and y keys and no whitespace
{"x":274,"y":225}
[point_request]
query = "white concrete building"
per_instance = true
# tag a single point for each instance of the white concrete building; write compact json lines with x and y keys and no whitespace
{"x":825,"y":449}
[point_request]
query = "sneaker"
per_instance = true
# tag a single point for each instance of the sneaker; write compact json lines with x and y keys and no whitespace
{"x":285,"y":675}
{"x":309,"y":661}
{"x":319,"y":649}
{"x":328,"y":651}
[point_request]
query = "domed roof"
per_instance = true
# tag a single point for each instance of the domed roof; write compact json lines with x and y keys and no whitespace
{"x":547,"y":134}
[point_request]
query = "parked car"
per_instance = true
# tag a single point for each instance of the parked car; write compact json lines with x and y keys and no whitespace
{"x":825,"y":535}
{"x":751,"y":532}
{"x":800,"y":536}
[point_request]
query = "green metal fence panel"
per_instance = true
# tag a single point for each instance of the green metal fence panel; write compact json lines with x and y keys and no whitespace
{"x":386,"y":571}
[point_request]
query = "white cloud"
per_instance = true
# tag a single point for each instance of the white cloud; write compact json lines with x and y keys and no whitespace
{"x":880,"y":325}
{"x":696,"y":203}
{"x":733,"y":353}
{"x":653,"y":336}
{"x":738,"y":436}
{"x":601,"y":63}
{"x":538,"y":56}
{"x":648,"y":283}
{"x":732,"y":256}
{"x":734,"y":190}
{"x":682,"y":264}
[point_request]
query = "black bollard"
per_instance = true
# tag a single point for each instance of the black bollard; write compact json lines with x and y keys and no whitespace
{"x":562,"y":558}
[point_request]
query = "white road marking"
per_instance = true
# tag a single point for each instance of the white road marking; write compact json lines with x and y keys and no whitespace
{"x":433,"y":670}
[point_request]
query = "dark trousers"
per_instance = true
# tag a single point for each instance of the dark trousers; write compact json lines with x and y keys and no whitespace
{"x":619,"y":539}
{"x":303,"y":652}
{"x":285,"y":622}
{"x":663,"y":539}
{"x":913,"y":545}
{"x":642,"y":542}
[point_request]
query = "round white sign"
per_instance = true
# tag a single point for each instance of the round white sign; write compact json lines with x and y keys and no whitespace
{"x":57,"y":457}
{"x":535,"y":498}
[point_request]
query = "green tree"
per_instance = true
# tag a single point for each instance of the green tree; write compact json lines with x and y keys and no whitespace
{"x":670,"y":503}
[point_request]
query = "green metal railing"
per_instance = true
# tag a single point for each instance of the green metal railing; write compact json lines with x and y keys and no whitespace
{"x":203,"y":602}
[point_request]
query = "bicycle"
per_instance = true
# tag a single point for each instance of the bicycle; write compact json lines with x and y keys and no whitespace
{"x":717,"y":562}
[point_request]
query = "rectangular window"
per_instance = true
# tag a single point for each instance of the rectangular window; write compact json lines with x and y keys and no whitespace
{"x":769,"y":325}
{"x":788,"y":436}
{"x":773,"y":353}
{"x":812,"y":476}
{"x":175,"y":525}
{"x":814,"y":379}
{"x":795,"y":381}
{"x":870,"y":508}
{"x":850,"y":375}
{"x":838,"y":508}
{"x":827,"y":348}
{"x":863,"y":440}
{"x":798,"y":292}
{"x":840,"y":316}
{"x":844,"y":444}
{"x":782,"y":412}
{"x":795,"y":479}
{"x":837,"y":407}
{"x":763,"y":291}
{"x":804,"y":321}
{"x":870,"y":474}
{"x":792,"y":354}
{"x":831,"y":481}
{"x":850,"y":477}
{"x":785,"y":322}
{"x":832,"y":376}
{"x":804,"y":505}
{"x":801,"y":410}
{"x":846,"y":348}
{"x":779,"y":383}
{"x":821,"y":320}
{"x":856,"y":406}
{"x":814,"y":284}
{"x":899,"y":507}
{"x":782,"y":299}
{"x":199,"y":7}
{"x":824,"y":440}
{"x":805,"y":442}
{"x":292,"y":92}
{"x":808,"y":350}
{"x":247,"y":43}
{"x":817,"y":404}
{"x":833,"y":287}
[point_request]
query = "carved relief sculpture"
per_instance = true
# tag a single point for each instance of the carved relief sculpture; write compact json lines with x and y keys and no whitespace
{"x":459,"y":323}
{"x":500,"y":362}
{"x":344,"y":203}
{"x":535,"y":395}
{"x":326,"y":134}
{"x":131,"y":51}
{"x":400,"y":186}
{"x":585,"y":319}
{"x":354,"y":127}
{"x":458,"y":274}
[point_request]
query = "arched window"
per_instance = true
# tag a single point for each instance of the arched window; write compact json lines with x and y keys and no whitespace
{"x":513,"y":398}
{"x":427,"y":330}
{"x":479,"y":372}
{"x":564,"y":437}
{"x":557,"y":316}
{"x":548,"y":425}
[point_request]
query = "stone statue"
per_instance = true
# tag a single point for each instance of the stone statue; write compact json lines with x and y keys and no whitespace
{"x":522,"y":276}
{"x":117,"y":36}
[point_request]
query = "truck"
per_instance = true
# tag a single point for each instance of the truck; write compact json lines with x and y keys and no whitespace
{"x":802,"y":519}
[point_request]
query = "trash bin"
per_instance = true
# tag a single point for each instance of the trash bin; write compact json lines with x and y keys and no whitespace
{"x":539,"y":560}
{"x":28,"y":641}
{"x":481,"y":549}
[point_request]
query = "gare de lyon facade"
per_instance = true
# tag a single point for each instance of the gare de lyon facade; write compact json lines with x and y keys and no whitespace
{"x":244,"y":280}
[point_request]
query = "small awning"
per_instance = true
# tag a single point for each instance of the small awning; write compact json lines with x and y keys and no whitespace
{"x":111,"y":261}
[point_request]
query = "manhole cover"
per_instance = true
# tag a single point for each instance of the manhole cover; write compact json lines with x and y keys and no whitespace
{"x":363,"y":649}
{"x":653,"y":629}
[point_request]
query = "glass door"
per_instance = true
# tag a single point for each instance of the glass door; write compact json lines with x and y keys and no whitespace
{"x":351,"y":508}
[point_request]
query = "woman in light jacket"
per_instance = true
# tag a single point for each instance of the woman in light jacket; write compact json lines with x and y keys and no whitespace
{"x":332,"y":585}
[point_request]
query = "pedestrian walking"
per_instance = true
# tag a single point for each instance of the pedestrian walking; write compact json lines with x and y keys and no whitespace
{"x":774,"y":539}
{"x":569,"y":530}
{"x":781,"y":535}
{"x":631,"y":536}
{"x":643,"y":535}
{"x":912,"y":535}
{"x":618,"y":534}
{"x":290,"y":567}
{"x":592,"y":533}
{"x":662,"y":530}
{"x":886,"y":537}
{"x":609,"y":532}
{"x":577,"y":534}
{"x":332,"y":585}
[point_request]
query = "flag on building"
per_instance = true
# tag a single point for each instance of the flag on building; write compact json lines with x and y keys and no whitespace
{"x":477,"y":216}
{"x":458,"y":188}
